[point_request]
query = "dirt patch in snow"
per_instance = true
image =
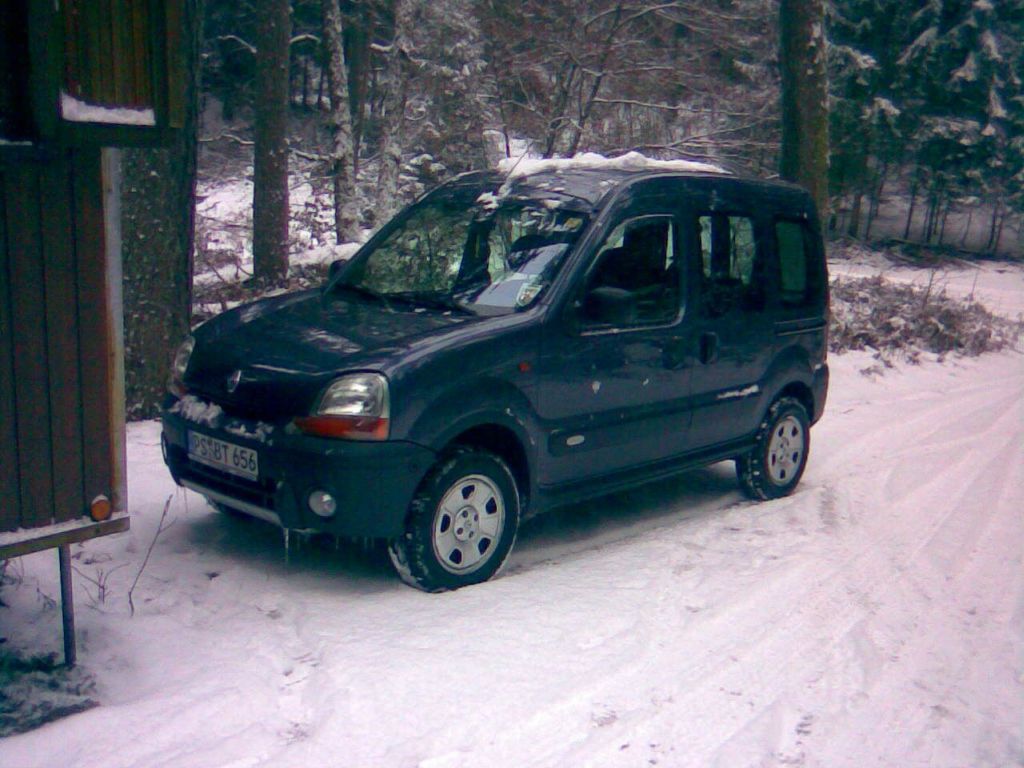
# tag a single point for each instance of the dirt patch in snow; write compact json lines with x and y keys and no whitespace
{"x":36,"y":691}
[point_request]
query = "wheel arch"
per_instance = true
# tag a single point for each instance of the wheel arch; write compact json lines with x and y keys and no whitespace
{"x":801,"y":392}
{"x":502,"y":441}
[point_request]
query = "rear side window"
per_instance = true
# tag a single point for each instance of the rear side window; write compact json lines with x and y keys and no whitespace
{"x":727,"y":247}
{"x":730,"y":267}
{"x":797,"y":275}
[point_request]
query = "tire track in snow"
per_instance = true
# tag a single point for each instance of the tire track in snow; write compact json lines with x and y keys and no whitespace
{"x":969,"y":686}
{"x":829,"y":619}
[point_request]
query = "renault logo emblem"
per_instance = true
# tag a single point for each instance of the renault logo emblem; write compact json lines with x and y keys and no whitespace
{"x":233,"y":380}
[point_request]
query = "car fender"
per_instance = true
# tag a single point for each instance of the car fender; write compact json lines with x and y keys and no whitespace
{"x":487,"y":402}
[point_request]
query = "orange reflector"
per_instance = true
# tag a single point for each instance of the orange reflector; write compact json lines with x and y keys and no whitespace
{"x":100,"y":508}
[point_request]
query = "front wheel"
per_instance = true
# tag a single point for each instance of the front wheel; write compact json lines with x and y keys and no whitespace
{"x":776,"y":463}
{"x":461,"y":523}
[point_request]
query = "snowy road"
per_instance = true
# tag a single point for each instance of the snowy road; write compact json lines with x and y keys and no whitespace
{"x":875,"y":618}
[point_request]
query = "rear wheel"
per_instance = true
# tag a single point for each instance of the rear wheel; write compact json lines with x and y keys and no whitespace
{"x":775,"y":465}
{"x":461,"y":524}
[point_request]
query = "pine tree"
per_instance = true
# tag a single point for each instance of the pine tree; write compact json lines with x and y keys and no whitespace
{"x":961,"y":71}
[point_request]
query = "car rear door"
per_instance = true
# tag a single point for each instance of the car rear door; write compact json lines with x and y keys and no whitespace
{"x":733,"y":316}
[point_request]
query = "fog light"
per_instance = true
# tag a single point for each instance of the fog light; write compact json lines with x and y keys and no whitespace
{"x":322,"y":503}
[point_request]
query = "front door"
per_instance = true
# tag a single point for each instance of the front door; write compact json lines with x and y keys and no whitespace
{"x":614,"y":372}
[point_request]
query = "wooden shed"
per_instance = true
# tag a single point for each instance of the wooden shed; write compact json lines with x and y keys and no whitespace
{"x":78,"y":78}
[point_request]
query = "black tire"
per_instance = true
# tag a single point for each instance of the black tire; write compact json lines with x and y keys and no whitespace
{"x":461,"y":524}
{"x":775,"y":465}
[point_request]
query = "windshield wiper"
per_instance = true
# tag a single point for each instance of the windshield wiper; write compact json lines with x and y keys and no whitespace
{"x":431,"y":299}
{"x":363,"y":291}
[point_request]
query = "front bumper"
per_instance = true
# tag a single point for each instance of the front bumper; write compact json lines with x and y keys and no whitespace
{"x":372,"y":482}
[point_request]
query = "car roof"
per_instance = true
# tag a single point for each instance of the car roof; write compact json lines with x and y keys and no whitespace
{"x":590,"y":186}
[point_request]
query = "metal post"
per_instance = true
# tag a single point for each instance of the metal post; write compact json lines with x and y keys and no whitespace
{"x":67,"y":604}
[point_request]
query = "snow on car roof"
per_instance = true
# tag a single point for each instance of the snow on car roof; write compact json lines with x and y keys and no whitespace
{"x":631,"y":161}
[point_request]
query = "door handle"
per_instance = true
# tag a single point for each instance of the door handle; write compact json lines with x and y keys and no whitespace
{"x":708,"y":347}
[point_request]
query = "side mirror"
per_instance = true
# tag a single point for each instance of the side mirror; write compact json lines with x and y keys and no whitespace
{"x":334,"y":268}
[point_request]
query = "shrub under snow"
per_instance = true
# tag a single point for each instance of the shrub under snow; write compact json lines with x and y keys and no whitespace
{"x":902,"y":320}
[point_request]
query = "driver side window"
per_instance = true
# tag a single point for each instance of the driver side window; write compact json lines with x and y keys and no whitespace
{"x":636,"y":278}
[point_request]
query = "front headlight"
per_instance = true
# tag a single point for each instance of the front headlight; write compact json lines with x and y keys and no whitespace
{"x":356,"y":406}
{"x":180,"y":365}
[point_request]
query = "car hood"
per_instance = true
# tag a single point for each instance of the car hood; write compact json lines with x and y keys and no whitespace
{"x":272,"y":357}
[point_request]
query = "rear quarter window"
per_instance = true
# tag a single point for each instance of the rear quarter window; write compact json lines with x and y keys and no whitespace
{"x":799,"y":273}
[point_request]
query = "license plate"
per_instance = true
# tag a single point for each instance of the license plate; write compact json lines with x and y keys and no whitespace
{"x":222,"y":455}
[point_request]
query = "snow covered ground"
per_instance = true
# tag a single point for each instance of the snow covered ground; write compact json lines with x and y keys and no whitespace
{"x":875,"y":618}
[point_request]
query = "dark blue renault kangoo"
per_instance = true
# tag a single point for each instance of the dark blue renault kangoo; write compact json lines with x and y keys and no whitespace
{"x":510,"y":343}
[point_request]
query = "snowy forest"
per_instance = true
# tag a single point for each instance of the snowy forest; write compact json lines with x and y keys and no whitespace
{"x":329,"y":115}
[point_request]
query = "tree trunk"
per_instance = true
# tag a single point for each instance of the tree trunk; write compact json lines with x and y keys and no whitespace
{"x":804,"y":97}
{"x":566,"y":79}
{"x":999,"y":231}
{"x":393,"y":118}
{"x":270,"y":161}
{"x":853,"y":228}
{"x":910,"y":210}
{"x":942,"y":221}
{"x":967,"y":228}
{"x":931,"y":219}
{"x":994,"y":227}
{"x":356,"y":43}
{"x":157,"y":238}
{"x":305,"y":83}
{"x":346,"y":218}
{"x":876,"y":195}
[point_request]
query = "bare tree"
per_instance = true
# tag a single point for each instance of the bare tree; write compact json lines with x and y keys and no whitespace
{"x":804,"y":97}
{"x":346,"y":219}
{"x":394,"y":122}
{"x":270,"y":161}
{"x":673,"y":78}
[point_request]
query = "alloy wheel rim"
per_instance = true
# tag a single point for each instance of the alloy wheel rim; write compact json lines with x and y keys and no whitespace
{"x":785,"y":450}
{"x":467,"y":524}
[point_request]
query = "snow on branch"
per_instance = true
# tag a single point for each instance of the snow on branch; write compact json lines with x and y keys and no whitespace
{"x":305,"y":38}
{"x":243,"y":44}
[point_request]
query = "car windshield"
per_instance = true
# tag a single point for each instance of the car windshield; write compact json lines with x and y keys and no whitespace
{"x":476,"y":254}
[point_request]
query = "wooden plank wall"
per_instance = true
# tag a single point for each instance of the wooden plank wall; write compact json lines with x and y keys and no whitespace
{"x":56,"y":442}
{"x":108,"y":51}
